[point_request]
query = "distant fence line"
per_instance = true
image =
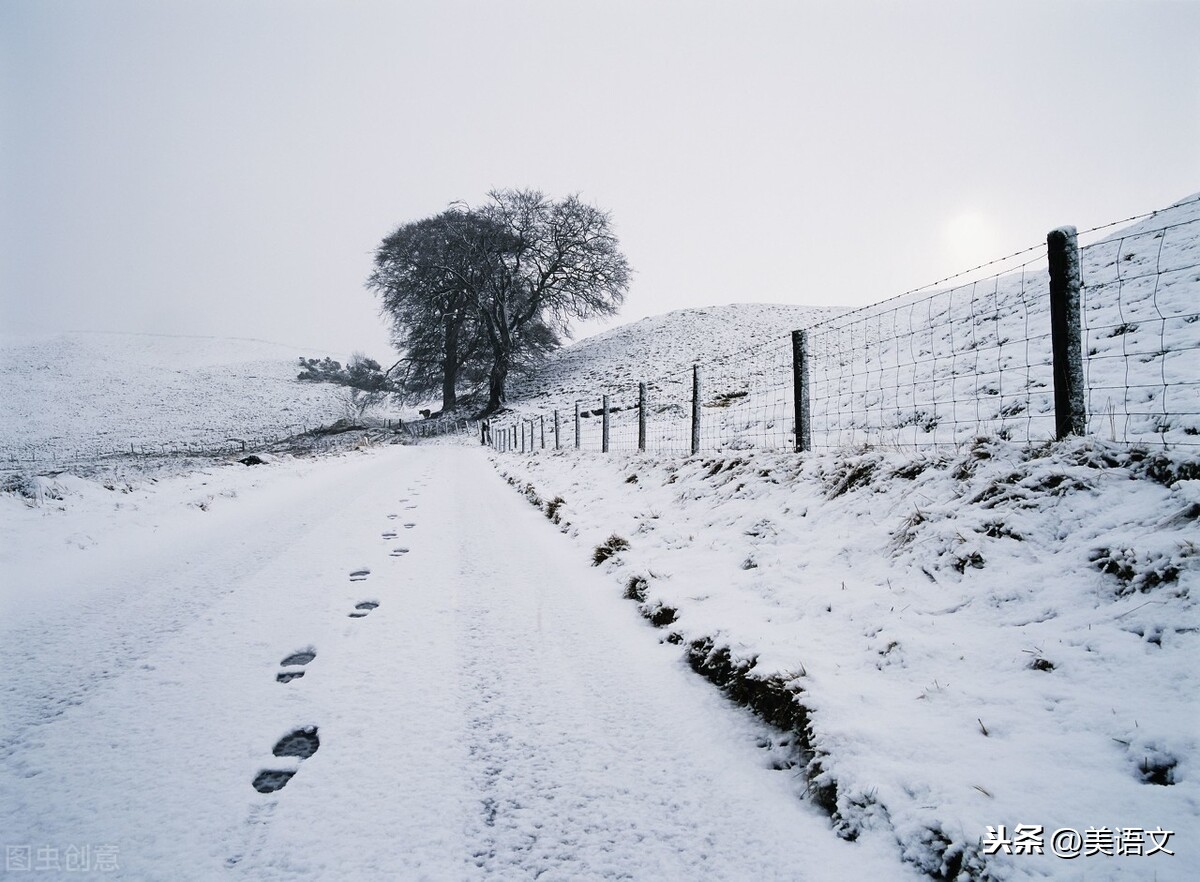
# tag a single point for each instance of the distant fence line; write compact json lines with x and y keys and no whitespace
{"x":1099,"y":341}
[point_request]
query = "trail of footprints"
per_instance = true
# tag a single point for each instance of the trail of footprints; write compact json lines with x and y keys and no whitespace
{"x":302,"y":743}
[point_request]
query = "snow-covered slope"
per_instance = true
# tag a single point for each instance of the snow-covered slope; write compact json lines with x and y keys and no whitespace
{"x":73,"y":396}
{"x":930,"y":368}
{"x":997,"y":638}
{"x":658,"y":347}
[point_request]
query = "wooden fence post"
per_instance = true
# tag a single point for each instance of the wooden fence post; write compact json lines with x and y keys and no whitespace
{"x":542,"y":420}
{"x":556,"y":439}
{"x":1070,"y":409}
{"x":604,"y":425}
{"x":641,"y":417}
{"x":576,"y":425}
{"x":800,"y":391}
{"x":695,"y":409}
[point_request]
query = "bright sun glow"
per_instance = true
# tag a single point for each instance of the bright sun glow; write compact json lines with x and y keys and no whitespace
{"x":969,"y":239}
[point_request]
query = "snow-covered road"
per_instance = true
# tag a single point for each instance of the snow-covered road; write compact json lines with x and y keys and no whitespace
{"x":500,"y":712}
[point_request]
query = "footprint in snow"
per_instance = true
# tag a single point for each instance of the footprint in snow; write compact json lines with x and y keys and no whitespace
{"x":361,"y":609}
{"x":270,"y":780}
{"x":409,"y":526}
{"x":359,"y":575}
{"x":393,"y":517}
{"x":390,"y":534}
{"x":301,"y":743}
{"x":398,"y":552}
{"x":295,"y":661}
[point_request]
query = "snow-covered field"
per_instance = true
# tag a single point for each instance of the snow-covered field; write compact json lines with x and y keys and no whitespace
{"x":73,"y":397}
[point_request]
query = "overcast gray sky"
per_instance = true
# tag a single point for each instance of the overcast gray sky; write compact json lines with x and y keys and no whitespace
{"x":227,"y":168}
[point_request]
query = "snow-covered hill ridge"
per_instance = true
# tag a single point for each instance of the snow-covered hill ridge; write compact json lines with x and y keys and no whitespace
{"x":72,"y":396}
{"x":924,"y":369}
{"x":666,"y":344}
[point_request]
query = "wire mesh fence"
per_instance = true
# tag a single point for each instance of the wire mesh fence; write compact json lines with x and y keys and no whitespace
{"x":937,"y":369}
{"x":1141,"y":333}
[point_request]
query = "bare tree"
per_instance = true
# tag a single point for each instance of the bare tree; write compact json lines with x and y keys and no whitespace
{"x":504,"y":280}
{"x":548,"y":263}
{"x":427,"y":273}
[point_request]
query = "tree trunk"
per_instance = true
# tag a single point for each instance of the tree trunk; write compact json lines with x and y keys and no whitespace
{"x":500,"y":364}
{"x":450,"y":367}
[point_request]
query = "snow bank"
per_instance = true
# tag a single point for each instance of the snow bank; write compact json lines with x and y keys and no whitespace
{"x":1005,"y":636}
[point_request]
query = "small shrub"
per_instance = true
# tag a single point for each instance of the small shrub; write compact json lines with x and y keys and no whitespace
{"x":1166,"y":471}
{"x":660,"y":616}
{"x":974,"y":560}
{"x":850,"y":476}
{"x":23,"y":484}
{"x":907,"y":531}
{"x":910,"y":470}
{"x":33,"y":489}
{"x":612,"y":545}
{"x":636,"y":589}
{"x":1135,"y":573}
{"x":530,"y":493}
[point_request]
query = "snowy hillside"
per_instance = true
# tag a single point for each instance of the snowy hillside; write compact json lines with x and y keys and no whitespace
{"x":947,"y":644}
{"x":74,"y":396}
{"x":659,"y":346}
{"x":929,"y":368}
